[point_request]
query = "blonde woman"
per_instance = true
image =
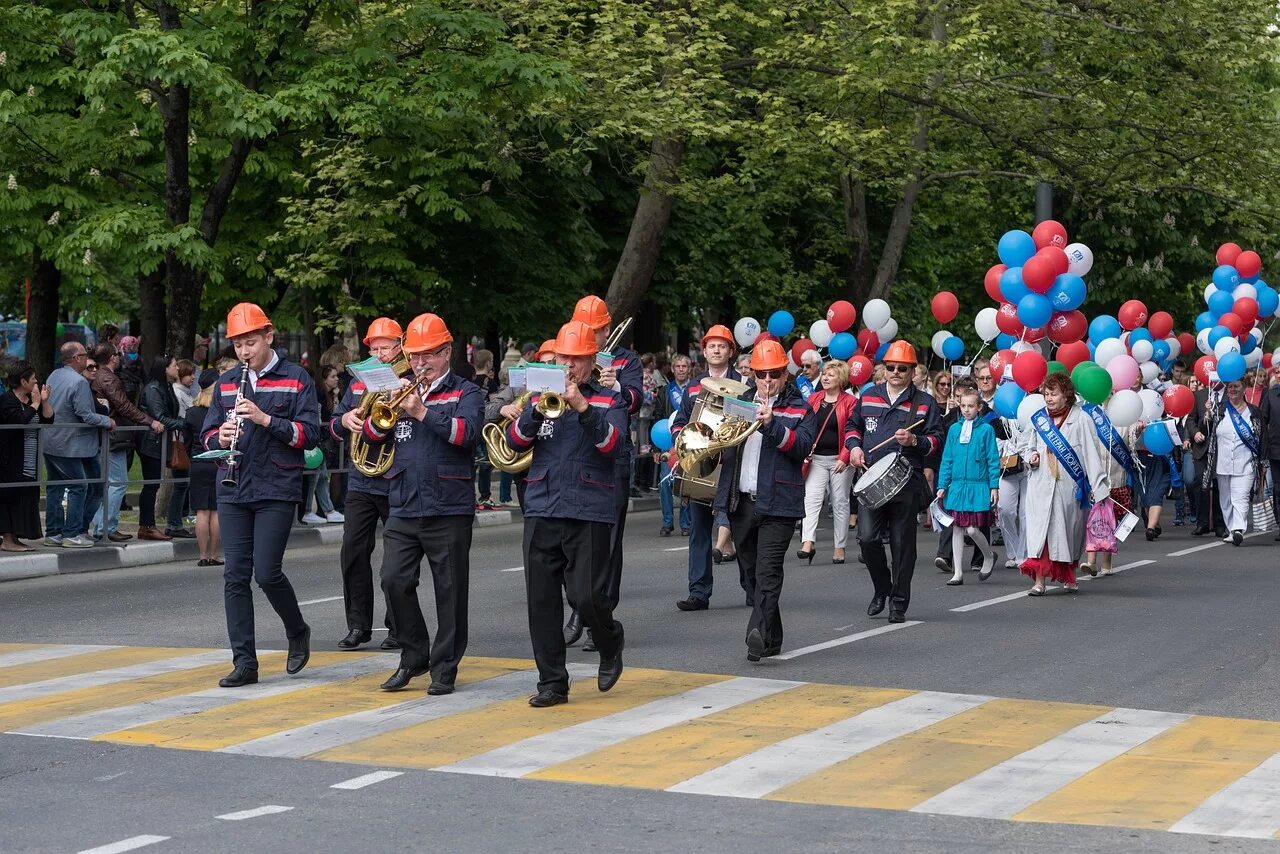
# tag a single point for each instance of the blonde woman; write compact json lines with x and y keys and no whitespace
{"x":829,"y":471}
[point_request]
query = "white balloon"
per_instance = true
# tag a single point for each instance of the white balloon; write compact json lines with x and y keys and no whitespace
{"x":1022,"y":346}
{"x":746,"y":330}
{"x":1202,"y":342}
{"x":1142,"y":350}
{"x":1079,"y":259}
{"x":1209,"y":290}
{"x":820,"y":333}
{"x":1275,"y":357}
{"x":889,"y":331}
{"x":793,"y":368}
{"x":936,"y":343}
{"x":1031,"y":404}
{"x":1125,"y":408}
{"x":1253,"y":358}
{"x":1256,"y":334}
{"x":1150,"y":370}
{"x":985,"y":325}
{"x":1243,"y":291}
{"x":671,"y":419}
{"x":1152,"y":405}
{"x":1225,"y":346}
{"x":875,"y":314}
{"x":1175,"y":347}
{"x":1108,"y":350}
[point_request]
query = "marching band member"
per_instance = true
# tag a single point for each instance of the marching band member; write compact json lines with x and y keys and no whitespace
{"x":570,"y":504}
{"x":717,"y":349}
{"x":762,"y":490}
{"x":432,"y":507}
{"x":626,"y":377}
{"x":267,"y":411}
{"x":890,"y":410}
{"x":366,"y":502}
{"x":502,"y":405}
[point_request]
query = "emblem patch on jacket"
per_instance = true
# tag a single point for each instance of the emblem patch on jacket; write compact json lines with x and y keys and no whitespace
{"x":548,"y":429}
{"x":404,"y":431}
{"x":872,"y":424}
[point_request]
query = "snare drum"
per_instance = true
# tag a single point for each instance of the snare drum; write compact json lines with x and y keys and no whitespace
{"x":881,"y":483}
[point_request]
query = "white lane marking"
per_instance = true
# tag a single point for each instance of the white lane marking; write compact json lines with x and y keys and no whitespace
{"x":130,"y":844}
{"x":541,"y":751}
{"x":266,"y":809}
{"x":49,"y":653}
{"x":513,"y":569}
{"x":677,"y":549}
{"x":319,"y":601}
{"x":834,"y":642}
{"x":770,"y":768}
{"x":367,"y":780}
{"x":93,"y":724}
{"x":32,"y":690}
{"x":1250,"y":806}
{"x":1213,"y":545}
{"x":1022,"y":594}
{"x":1005,"y":790}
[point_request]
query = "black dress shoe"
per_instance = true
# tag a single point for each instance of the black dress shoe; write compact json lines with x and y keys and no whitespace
{"x":610,"y":670}
{"x":354,"y":638}
{"x":1151,"y":534}
{"x":1220,"y":533}
{"x":755,"y":645}
{"x":1278,"y":536}
{"x":589,"y":645}
{"x":684,"y":532}
{"x":877,"y":605}
{"x":693,"y":604}
{"x":896,"y":616}
{"x":401,"y":678}
{"x":573,"y":629}
{"x":717,"y":556}
{"x":389,"y":643}
{"x":439,"y":689}
{"x":543,"y":699}
{"x":299,"y":652}
{"x":664,"y":532}
{"x":238,"y":678}
{"x":1200,"y":531}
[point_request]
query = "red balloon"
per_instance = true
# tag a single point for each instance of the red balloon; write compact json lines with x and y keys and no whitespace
{"x":1132,"y":314}
{"x":1067,"y":326}
{"x":1186,"y":343}
{"x":767,"y":336}
{"x":841,"y":315}
{"x":1007,"y":320}
{"x":945,"y":306}
{"x":1001,"y":360}
{"x":868,"y":342}
{"x":1228,"y":253}
{"x":1029,"y":370}
{"x":1178,"y":401}
{"x":1246,"y":308}
{"x":860,"y":369}
{"x":1050,"y":233}
{"x":1267,"y":359}
{"x":1031,"y":336}
{"x":1204,"y":365}
{"x":1248,"y":263}
{"x":1072,"y":354}
{"x":991,"y":282}
{"x":801,"y":347}
{"x":1055,"y":256}
{"x":1233,"y":322}
{"x":1037,"y":274}
{"x":1160,"y":325}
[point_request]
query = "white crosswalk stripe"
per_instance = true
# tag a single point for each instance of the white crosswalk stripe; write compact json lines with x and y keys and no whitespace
{"x":1248,"y":807}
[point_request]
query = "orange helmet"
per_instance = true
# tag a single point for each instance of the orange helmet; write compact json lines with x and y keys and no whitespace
{"x":768,"y":356}
{"x":426,"y":332}
{"x":719,"y":331}
{"x":244,"y":318}
{"x":900,"y":351}
{"x":383,"y":327}
{"x":548,"y":346}
{"x":575,"y":338}
{"x":592,"y":311}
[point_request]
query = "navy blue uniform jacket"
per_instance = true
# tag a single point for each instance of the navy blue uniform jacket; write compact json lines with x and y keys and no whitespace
{"x":785,"y":443}
{"x":356,"y":482}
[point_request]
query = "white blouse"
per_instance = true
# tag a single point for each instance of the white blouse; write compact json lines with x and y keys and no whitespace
{"x":1234,"y":456}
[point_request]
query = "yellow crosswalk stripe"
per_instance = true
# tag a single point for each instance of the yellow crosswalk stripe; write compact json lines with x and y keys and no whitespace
{"x":1159,"y":782}
{"x":19,"y":647}
{"x":664,"y":758}
{"x":87,"y":663}
{"x":467,"y":734}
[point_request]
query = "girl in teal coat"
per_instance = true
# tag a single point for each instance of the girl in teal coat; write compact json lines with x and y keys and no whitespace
{"x":969,"y":485}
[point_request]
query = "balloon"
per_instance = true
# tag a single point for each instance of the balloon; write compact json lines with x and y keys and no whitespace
{"x":1007,"y":320}
{"x":881,"y":350}
{"x":312,"y":458}
{"x":1246,"y":309}
{"x":1008,"y":397}
{"x":1049,"y":233}
{"x":945,"y":306}
{"x":1038,"y":274}
{"x":1204,"y":365}
{"x":1186,"y":343}
{"x":820,"y":333}
{"x":1102,"y":327}
{"x":985,"y":325}
{"x":660,"y":435}
{"x":1132,"y":314}
{"x":1268,"y":302}
{"x":1108,"y":350}
{"x":1124,"y":371}
{"x":1034,"y":310}
{"x":781,"y":323}
{"x":841,"y":315}
{"x":1220,"y":302}
{"x":1248,"y":263}
{"x":1253,"y":359}
{"x":1161,"y":350}
{"x":1056,"y":367}
{"x":1216,"y":334}
{"x":1227,"y":254}
{"x":952,"y":348}
{"x":1094,"y":384}
{"x":1232,"y":322}
{"x":1205,"y":320}
{"x":766,"y":336}
{"x":799,"y":348}
{"x":1030,"y":405}
{"x":1175,"y":347}
{"x":1004,"y":342}
{"x":1245,"y":290}
{"x":935,"y":343}
{"x":1029,"y":370}
{"x":793,"y":368}
{"x":1080,"y":258}
{"x":1225,"y":346}
{"x":746,"y":330}
{"x":868,"y":342}
{"x":889,"y":331}
{"x":1073,"y":354}
{"x":1142,"y":350}
{"x":1022,"y":347}
{"x":1149,"y":370}
{"x":1178,"y":401}
{"x":1209,"y":290}
{"x":1067,"y":292}
{"x":1057,"y":259}
{"x":1160,"y":324}
{"x":1226,"y":278}
{"x":875,"y":314}
{"x":1067,"y":326}
{"x":991,"y":282}
{"x":860,"y":369}
{"x":842,"y":345}
{"x":1156,"y":438}
{"x":999,"y":361}
{"x":1012,"y":288}
{"x":1015,"y":247}
{"x":1152,"y":404}
{"x":1231,"y":366}
{"x":1124,"y":408}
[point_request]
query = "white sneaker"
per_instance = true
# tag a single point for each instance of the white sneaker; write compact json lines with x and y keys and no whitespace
{"x":335,"y":516}
{"x":79,"y":542}
{"x":1227,"y":538}
{"x":314,"y":519}
{"x":52,"y":540}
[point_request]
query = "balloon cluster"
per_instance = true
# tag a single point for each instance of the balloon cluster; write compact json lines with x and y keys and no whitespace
{"x":1227,"y":332}
{"x":1038,"y":286}
{"x":833,"y":335}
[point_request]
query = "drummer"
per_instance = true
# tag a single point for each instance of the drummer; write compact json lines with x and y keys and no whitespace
{"x":893,"y":417}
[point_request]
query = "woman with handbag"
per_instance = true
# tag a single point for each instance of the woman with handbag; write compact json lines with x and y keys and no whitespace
{"x":1015,"y":441}
{"x":826,"y":469}
{"x":1234,"y":449}
{"x":159,"y":401}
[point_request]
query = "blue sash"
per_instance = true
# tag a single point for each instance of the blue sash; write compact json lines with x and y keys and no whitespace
{"x":1243,"y":430}
{"x":1107,"y":433}
{"x":675,"y":394}
{"x":1175,"y":472}
{"x":1066,"y":454}
{"x":805,"y":385}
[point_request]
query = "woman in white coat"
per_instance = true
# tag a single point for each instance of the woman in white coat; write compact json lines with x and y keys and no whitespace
{"x":1236,"y":466}
{"x":1015,"y":442}
{"x":1053,"y":515}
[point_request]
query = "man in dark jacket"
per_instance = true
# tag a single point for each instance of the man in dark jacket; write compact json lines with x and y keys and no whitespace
{"x":1201,"y":425}
{"x":107,"y":385}
{"x":1270,"y":408}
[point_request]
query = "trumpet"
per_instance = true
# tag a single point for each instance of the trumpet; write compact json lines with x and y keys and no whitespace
{"x":502,"y":456}
{"x":232,"y":477}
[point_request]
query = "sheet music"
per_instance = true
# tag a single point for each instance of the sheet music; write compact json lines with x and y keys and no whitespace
{"x":375,"y":374}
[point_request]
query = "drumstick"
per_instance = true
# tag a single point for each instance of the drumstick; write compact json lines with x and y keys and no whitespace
{"x":890,"y":439}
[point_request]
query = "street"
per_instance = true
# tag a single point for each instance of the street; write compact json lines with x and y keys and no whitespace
{"x":989,"y":721}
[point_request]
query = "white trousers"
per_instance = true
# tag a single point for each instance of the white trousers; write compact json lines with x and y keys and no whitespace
{"x":823,"y":480}
{"x":1234,"y":492}
{"x":1013,"y":496}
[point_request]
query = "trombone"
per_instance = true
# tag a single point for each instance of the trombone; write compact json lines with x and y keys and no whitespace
{"x":614,"y":339}
{"x":502,"y":456}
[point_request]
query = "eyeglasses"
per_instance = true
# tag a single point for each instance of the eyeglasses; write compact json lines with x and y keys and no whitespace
{"x":899,"y":369}
{"x":984,"y":378}
{"x":91,"y":367}
{"x":771,"y":375}
{"x":943,"y":385}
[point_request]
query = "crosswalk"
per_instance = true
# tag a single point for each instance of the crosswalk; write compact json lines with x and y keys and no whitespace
{"x":741,"y":737}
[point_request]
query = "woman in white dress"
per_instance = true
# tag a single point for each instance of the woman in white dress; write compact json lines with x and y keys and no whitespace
{"x":1014,"y":440}
{"x":1055,"y":509}
{"x":1236,"y":465}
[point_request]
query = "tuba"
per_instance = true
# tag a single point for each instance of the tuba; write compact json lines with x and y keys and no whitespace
{"x":377,"y":461}
{"x":502,"y":456}
{"x":708,"y":432}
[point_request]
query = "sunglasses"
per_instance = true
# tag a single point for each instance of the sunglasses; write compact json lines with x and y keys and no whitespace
{"x":771,"y":375}
{"x":91,"y":367}
{"x":984,"y":378}
{"x":899,"y":369}
{"x":944,"y":385}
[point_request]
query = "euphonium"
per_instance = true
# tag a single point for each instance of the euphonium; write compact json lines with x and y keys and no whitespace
{"x":375,"y":402}
{"x":501,"y":455}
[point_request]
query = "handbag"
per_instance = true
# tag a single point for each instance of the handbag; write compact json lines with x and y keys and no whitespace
{"x":1261,"y":514}
{"x":804,"y":466}
{"x":179,"y":459}
{"x":1011,"y":464}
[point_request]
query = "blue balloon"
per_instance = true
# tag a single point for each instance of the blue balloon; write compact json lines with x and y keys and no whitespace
{"x":1217,"y":333}
{"x":1011,"y":285}
{"x":842,"y":345}
{"x":952,"y":348}
{"x":1231,"y":367}
{"x":1004,"y":341}
{"x":1248,"y":345}
{"x":1248,"y":280}
{"x":1140,"y":334}
{"x":1008,"y":397}
{"x":1034,"y":310}
{"x":1220,"y":302}
{"x":1102,"y":327}
{"x":1268,"y":300}
{"x":1016,"y":248}
{"x":1226,"y":278}
{"x":1067,"y":292}
{"x":1205,"y":320}
{"x":660,"y":435}
{"x":1156,"y":438}
{"x":881,"y":350}
{"x":865,"y":386}
{"x":1160,"y":351}
{"x":781,"y":323}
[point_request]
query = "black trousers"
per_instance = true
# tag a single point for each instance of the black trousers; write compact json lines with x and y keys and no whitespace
{"x":1209,"y":513}
{"x":762,"y":543}
{"x":445,"y":541}
{"x":897,"y":521}
{"x":254,"y":536}
{"x":359,"y":536}
{"x":621,"y":501}
{"x":572,"y":554}
{"x":1275,"y":489}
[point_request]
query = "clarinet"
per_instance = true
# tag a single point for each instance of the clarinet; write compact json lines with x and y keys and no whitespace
{"x":233,"y":464}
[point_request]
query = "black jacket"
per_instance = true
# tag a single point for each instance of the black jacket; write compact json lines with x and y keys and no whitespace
{"x":1270,"y":408}
{"x":161,"y":403}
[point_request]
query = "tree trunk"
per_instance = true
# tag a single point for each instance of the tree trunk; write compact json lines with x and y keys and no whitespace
{"x":858,"y":267}
{"x":152,"y":323}
{"x":42,"y":317}
{"x":634,"y":272}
